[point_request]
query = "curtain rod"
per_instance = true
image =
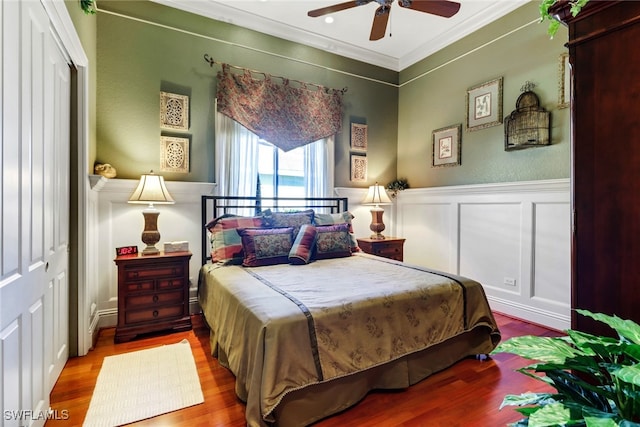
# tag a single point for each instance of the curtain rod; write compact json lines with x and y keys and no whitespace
{"x":212,"y":62}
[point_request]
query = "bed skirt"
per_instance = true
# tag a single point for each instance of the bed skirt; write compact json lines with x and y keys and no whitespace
{"x":311,"y":404}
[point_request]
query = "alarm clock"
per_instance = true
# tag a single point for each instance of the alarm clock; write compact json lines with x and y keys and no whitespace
{"x":127,"y":250}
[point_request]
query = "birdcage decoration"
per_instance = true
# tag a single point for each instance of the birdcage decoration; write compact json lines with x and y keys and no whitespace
{"x":529,"y":124}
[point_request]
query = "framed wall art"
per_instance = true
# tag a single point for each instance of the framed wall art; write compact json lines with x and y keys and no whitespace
{"x":484,"y":105}
{"x":564,"y":81}
{"x":174,"y":154}
{"x":447,"y":146}
{"x":358,"y":137}
{"x":174,"y":111}
{"x":358,"y":167}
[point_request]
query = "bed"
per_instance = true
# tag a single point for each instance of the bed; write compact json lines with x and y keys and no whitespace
{"x":306,"y":340}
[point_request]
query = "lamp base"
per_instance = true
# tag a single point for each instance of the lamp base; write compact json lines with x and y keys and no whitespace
{"x":377,"y":226}
{"x":150,"y":250}
{"x":150,"y":235}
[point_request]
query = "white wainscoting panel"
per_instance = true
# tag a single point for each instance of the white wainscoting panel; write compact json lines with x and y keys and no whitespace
{"x":121,"y":224}
{"x":514,"y":238}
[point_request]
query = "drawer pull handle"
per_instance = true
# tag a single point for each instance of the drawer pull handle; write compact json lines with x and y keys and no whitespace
{"x":155,"y":313}
{"x":155,"y":298}
{"x":134,"y":274}
{"x":139,"y":286}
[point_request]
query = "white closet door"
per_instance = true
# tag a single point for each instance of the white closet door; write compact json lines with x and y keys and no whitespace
{"x":34,"y":228}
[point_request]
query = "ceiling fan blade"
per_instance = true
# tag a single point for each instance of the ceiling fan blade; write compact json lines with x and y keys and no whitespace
{"x":442,"y":8}
{"x":336,"y":8}
{"x":380,"y":19}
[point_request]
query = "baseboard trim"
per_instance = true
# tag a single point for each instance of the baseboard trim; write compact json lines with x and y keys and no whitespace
{"x":542,"y":317}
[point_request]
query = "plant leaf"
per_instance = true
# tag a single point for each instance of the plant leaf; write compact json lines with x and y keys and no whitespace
{"x":555,"y":414}
{"x":629,"y":374}
{"x":628,"y":329}
{"x":572,"y":389}
{"x":526,"y":399}
{"x":545,"y":349}
{"x":600,"y":422}
{"x":633,"y":351}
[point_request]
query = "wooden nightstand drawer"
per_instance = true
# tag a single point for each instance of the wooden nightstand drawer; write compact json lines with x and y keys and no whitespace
{"x":156,"y":298}
{"x":153,"y":294}
{"x":390,"y":247}
{"x":160,"y":271}
{"x":153,"y":314}
{"x":140,"y":286}
{"x":170,"y":283}
{"x":387,"y":251}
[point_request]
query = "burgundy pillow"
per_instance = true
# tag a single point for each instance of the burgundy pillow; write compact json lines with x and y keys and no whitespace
{"x":332,"y":241}
{"x":266,"y":246}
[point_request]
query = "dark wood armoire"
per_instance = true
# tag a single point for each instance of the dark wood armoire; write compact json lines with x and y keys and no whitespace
{"x":604,"y":53}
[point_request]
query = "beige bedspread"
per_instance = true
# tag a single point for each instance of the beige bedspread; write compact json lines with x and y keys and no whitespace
{"x":282,"y":328}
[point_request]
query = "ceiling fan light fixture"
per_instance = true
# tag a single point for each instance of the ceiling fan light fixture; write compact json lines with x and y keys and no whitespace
{"x":444,"y":8}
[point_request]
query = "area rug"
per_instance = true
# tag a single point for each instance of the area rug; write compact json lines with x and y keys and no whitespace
{"x":142,"y":384}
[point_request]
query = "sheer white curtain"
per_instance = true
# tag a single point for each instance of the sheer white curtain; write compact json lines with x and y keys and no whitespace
{"x":236,"y":159}
{"x":318,"y":168}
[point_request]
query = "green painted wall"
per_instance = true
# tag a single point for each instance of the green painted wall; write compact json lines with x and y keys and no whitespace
{"x":433,"y":95}
{"x":145,"y":48}
{"x":86,"y":27}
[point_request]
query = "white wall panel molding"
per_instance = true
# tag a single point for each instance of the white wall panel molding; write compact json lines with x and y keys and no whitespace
{"x":514,"y":238}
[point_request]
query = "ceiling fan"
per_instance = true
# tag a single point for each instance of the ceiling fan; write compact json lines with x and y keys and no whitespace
{"x":442,"y":8}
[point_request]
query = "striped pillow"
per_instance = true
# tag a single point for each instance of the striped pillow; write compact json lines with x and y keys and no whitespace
{"x":226,"y":244}
{"x":303,"y":246}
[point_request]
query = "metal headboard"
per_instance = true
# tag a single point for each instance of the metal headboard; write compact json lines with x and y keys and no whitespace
{"x":215,"y":206}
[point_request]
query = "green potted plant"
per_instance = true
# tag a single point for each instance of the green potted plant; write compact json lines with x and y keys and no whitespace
{"x":576,"y":7}
{"x":596,"y":378}
{"x":398,"y":185}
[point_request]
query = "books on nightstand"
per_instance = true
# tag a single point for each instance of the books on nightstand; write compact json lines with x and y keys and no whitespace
{"x":181,"y":246}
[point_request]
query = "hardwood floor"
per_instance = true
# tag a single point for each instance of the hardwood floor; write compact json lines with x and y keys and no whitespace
{"x":467,"y":394}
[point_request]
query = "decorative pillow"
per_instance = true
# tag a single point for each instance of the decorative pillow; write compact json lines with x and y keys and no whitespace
{"x":302,"y":248}
{"x":226,"y":244}
{"x":332,"y":241}
{"x":287,"y":219}
{"x":338,"y":218}
{"x":266,"y":246}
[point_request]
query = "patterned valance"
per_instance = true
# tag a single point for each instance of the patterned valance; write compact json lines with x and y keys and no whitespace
{"x":287,"y":116}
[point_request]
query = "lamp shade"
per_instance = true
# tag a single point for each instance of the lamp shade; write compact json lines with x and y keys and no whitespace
{"x":377,"y":195}
{"x":151,"y":190}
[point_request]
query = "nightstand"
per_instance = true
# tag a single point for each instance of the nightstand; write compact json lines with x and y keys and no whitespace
{"x":153,"y":294}
{"x":389,"y":247}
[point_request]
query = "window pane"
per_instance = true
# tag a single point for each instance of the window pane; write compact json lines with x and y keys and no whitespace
{"x":288,"y":180}
{"x":266,"y":165}
{"x":291,"y":173}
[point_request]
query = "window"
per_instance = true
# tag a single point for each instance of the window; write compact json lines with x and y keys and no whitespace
{"x":241,"y":157}
{"x":306,"y":171}
{"x":281,"y":173}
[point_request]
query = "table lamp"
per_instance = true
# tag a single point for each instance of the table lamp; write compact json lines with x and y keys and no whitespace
{"x":151,"y":190}
{"x":377,"y":196}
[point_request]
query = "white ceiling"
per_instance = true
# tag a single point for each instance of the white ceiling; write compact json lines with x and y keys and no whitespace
{"x":411,"y":35}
